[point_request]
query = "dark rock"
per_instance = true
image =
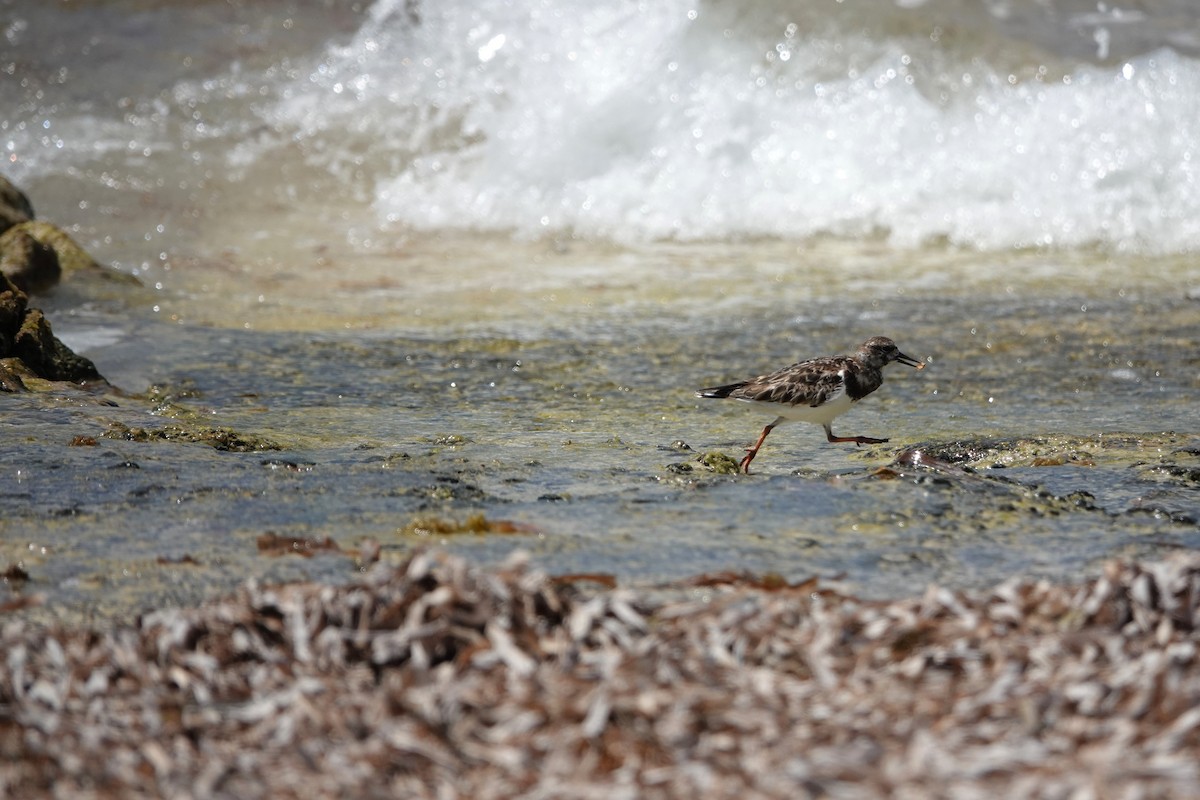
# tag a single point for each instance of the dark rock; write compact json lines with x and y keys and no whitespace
{"x":10,"y":375}
{"x":14,"y":205}
{"x":25,"y":335}
{"x":32,"y":266}
{"x":9,"y":217}
{"x":37,"y":346}
{"x":71,"y":256}
{"x":15,"y":199}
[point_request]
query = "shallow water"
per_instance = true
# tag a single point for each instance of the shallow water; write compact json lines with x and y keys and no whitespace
{"x":585,"y":433}
{"x":534,"y":360}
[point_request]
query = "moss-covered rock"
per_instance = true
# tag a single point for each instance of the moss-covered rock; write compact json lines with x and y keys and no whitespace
{"x":217,"y":438}
{"x":11,"y":372}
{"x":72,"y":258}
{"x":40,"y":349}
{"x":13,"y":304}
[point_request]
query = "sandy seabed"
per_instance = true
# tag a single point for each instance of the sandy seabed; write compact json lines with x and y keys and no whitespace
{"x":434,"y":678}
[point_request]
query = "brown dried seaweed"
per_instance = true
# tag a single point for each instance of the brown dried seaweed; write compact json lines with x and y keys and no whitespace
{"x":436,"y":679}
{"x":477,"y":523}
{"x":273,"y":544}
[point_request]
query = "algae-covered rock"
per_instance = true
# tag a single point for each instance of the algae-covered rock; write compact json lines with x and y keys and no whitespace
{"x":216,"y":438}
{"x":477,"y":524}
{"x":719,"y":463}
{"x":40,"y":349}
{"x":72,"y":258}
{"x":31,"y":265}
{"x":28,"y":265}
{"x":11,"y":370}
{"x":25,"y":334}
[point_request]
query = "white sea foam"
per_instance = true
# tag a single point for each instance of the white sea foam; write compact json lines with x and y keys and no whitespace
{"x":724,"y":119}
{"x":989,"y":123}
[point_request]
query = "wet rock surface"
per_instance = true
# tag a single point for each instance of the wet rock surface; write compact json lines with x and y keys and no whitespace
{"x":1116,"y":473}
{"x":431,"y":676}
{"x":25,"y":335}
{"x":218,"y":438}
{"x":33,"y":257}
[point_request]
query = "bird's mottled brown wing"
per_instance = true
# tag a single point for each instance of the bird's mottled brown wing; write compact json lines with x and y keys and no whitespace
{"x":809,"y":383}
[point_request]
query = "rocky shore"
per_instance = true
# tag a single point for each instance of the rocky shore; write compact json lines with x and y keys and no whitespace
{"x":33,"y":258}
{"x":432,"y":678}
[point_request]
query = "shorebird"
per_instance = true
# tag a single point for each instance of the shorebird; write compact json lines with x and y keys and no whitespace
{"x":817,"y":391}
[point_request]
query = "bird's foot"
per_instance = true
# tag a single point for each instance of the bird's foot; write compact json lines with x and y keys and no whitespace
{"x":861,"y":440}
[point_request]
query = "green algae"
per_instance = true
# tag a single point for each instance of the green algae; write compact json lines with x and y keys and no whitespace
{"x":719,"y":463}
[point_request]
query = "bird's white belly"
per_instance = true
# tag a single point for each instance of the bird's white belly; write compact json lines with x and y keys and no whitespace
{"x":821,"y":415}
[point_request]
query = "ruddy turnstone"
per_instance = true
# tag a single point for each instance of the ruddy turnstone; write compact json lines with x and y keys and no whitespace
{"x":817,"y":390}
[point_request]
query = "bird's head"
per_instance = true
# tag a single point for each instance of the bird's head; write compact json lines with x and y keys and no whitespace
{"x":880,"y":350}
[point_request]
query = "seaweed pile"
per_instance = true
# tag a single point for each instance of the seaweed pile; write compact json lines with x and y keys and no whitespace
{"x":433,"y":678}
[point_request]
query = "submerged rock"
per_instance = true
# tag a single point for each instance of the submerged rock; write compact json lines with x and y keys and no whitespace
{"x":1013,"y":451}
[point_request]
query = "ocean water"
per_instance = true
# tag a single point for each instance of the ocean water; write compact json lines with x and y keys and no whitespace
{"x":475,"y":258}
{"x":985,"y":123}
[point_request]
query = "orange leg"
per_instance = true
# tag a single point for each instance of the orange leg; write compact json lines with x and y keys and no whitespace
{"x":751,"y":452}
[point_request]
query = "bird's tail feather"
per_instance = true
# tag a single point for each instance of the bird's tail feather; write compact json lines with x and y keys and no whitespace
{"x":719,"y":392}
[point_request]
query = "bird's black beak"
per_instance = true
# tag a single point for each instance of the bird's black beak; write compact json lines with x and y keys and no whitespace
{"x":909,"y":360}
